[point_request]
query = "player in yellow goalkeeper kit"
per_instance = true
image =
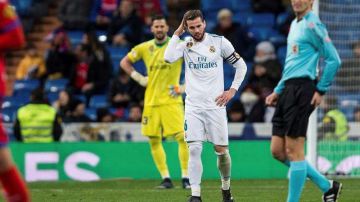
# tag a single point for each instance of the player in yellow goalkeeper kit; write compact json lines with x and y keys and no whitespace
{"x":163,"y":114}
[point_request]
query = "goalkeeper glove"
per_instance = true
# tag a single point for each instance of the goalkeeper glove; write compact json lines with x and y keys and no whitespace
{"x":142,"y":80}
{"x":176,"y":90}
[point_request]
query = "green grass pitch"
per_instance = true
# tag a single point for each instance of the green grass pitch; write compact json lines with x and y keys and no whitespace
{"x":143,"y":190}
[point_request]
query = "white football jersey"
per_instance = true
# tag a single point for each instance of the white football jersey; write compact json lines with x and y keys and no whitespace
{"x":204,"y":73}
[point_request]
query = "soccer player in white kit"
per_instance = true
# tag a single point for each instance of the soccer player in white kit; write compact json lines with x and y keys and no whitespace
{"x":205,"y":111}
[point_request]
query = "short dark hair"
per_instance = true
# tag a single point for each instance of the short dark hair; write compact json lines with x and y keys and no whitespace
{"x":37,"y":95}
{"x":157,"y":17}
{"x":193,"y":14}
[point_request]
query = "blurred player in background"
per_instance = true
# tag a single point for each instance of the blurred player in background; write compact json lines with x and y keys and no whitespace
{"x":205,"y":104}
{"x":11,"y":37}
{"x":296,"y":96}
{"x":163,"y":114}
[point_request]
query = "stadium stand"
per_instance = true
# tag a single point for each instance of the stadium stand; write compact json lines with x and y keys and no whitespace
{"x":262,"y":26}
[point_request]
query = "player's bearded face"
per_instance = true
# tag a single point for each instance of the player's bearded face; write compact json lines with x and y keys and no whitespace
{"x":196,"y":28}
{"x":159,"y":28}
{"x":300,"y":6}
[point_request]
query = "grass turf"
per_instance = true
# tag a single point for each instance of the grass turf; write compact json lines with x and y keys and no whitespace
{"x":143,"y":190}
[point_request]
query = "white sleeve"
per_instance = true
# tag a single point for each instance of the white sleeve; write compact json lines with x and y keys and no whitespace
{"x":241,"y":68}
{"x":174,"y":50}
{"x":232,"y":57}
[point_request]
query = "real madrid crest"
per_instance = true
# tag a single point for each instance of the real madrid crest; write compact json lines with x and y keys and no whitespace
{"x":151,"y":48}
{"x":212,"y":49}
{"x":189,"y":44}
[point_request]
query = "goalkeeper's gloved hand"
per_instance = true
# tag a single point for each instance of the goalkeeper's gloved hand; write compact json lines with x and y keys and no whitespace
{"x":176,"y":90}
{"x":142,"y":80}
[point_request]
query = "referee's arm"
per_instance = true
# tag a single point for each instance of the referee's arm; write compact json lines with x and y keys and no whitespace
{"x":330,"y":55}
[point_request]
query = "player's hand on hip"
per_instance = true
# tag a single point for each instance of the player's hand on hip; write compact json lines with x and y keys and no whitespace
{"x":316,"y":99}
{"x":225,"y":97}
{"x":272,"y":99}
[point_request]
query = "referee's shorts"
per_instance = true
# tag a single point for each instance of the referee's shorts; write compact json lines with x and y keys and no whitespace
{"x":293,"y":108}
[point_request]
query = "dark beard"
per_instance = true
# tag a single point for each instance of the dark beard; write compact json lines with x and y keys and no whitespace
{"x":201,"y":38}
{"x":160,"y":39}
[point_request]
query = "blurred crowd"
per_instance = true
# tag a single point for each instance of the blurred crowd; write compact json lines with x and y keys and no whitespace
{"x":90,"y":70}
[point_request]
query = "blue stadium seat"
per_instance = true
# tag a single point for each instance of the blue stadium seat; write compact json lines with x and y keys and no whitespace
{"x":75,"y":37}
{"x":115,"y":66}
{"x":261,"y":33}
{"x":277,"y":39}
{"x":26,"y":84}
{"x":281,"y":54}
{"x":8,"y":114}
{"x":214,"y":5}
{"x":98,"y":101}
{"x":241,"y":5}
{"x":91,"y":113}
{"x":55,"y":85}
{"x":261,"y":20}
{"x":22,"y":6}
{"x":82,"y":98}
{"x":241,"y":17}
{"x":228,"y":70}
{"x":140,"y":67}
{"x":52,"y":97}
{"x":117,"y":53}
{"x":281,"y":18}
{"x":12,"y":102}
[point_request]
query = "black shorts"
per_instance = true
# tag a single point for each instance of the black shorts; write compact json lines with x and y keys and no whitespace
{"x":293,"y":108}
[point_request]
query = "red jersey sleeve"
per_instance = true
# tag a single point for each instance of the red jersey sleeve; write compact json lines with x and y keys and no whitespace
{"x":11,"y":32}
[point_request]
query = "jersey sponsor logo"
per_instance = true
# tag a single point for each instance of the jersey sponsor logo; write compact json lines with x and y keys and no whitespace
{"x":160,"y":66}
{"x":212,"y":49}
{"x":205,"y":65}
{"x":202,"y":63}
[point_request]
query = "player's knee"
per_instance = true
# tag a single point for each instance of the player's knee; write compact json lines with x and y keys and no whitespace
{"x":220,"y":149}
{"x":278,"y":154}
{"x":180,"y":137}
{"x":195,"y":148}
{"x":155,"y":141}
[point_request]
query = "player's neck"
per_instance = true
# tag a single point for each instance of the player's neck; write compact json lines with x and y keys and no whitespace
{"x":162,"y":41}
{"x":300,"y":15}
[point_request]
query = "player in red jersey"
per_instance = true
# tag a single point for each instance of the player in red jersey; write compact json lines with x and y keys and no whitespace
{"x":11,"y":37}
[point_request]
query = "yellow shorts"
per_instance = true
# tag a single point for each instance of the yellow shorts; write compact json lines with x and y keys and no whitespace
{"x":164,"y":120}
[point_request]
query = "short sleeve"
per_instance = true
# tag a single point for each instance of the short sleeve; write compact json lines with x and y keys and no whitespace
{"x":135,"y":54}
{"x":226,"y":48}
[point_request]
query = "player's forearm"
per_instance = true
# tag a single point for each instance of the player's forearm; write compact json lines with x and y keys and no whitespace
{"x":127,"y":66}
{"x":280,"y":86}
{"x":173,"y":52}
{"x":240,"y":73}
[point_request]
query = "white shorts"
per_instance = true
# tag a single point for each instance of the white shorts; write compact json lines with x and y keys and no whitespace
{"x":206,"y":125}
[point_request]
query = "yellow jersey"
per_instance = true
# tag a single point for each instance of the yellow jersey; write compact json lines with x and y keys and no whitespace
{"x":161,"y":74}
